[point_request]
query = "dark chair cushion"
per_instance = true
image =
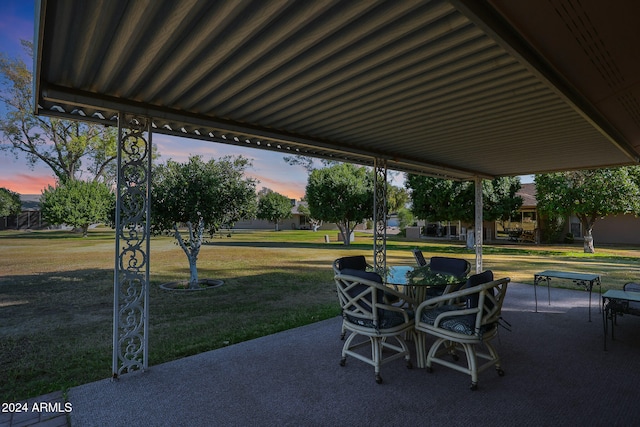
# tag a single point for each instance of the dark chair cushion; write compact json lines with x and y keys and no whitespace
{"x":475,"y":280}
{"x":357,"y":262}
{"x":374,"y":277}
{"x":459,"y":324}
{"x":429,"y":316}
{"x":386,"y":319}
{"x":368,"y":275}
{"x":453,"y":266}
{"x":358,"y":289}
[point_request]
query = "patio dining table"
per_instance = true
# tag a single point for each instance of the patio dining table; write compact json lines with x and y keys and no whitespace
{"x":420,"y":284}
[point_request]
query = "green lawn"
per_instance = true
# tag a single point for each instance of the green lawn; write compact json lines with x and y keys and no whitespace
{"x":56,"y":294}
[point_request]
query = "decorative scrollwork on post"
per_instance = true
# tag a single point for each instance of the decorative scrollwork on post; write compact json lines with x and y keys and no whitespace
{"x":380,"y":216}
{"x":477,"y":229}
{"x":131,"y":275}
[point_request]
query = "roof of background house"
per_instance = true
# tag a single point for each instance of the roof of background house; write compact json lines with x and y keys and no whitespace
{"x":295,"y":208}
{"x":528,"y":194}
{"x":30,"y":202}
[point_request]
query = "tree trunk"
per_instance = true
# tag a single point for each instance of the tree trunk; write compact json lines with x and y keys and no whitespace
{"x":471,"y":237}
{"x":193,"y":272}
{"x":346,"y":235}
{"x":587,"y":225}
{"x":191,"y":249}
{"x":588,"y":243}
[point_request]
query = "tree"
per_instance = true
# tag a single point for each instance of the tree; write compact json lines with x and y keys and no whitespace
{"x":203,"y":196}
{"x":589,"y":194}
{"x":303,"y":209}
{"x":9,"y":203}
{"x":307,"y":162}
{"x":77,"y":203}
{"x":447,"y":200}
{"x":274,"y":207}
{"x":342,"y":194}
{"x":437,"y":199}
{"x":405,"y":217}
{"x":72,"y":149}
{"x":499,"y":198}
{"x":397,"y":198}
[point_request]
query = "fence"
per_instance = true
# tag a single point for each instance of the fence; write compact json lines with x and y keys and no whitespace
{"x":25,"y":220}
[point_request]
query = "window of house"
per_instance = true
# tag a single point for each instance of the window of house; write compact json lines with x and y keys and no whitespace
{"x":576,"y":229}
{"x":512,"y":227}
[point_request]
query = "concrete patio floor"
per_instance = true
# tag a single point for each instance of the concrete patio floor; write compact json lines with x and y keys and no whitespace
{"x":557,"y":373}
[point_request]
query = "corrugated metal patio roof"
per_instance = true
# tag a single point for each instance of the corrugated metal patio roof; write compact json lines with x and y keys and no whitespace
{"x":450,"y":88}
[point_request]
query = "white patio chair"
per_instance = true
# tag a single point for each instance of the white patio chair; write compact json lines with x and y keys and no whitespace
{"x":368,"y":314}
{"x":464,"y":326}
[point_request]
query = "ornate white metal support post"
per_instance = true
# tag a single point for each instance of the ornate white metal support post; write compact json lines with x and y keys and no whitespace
{"x":478,"y":223}
{"x":380,"y":216}
{"x":131,"y":273}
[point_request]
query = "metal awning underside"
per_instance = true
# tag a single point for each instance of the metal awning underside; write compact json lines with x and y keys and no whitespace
{"x":453,"y":88}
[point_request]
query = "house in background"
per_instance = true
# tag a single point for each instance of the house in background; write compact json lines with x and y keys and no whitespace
{"x":526,"y":226}
{"x":294,"y":222}
{"x":297,"y":221}
{"x":29,"y":218}
{"x":612,"y":229}
{"x":523,"y":227}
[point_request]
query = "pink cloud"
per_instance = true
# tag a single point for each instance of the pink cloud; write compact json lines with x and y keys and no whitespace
{"x":27,"y":183}
{"x":291,"y":189}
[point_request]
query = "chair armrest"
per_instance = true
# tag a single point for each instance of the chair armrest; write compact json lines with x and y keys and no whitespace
{"x":451,"y":314}
{"x":434,"y":302}
{"x":395,"y":308}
